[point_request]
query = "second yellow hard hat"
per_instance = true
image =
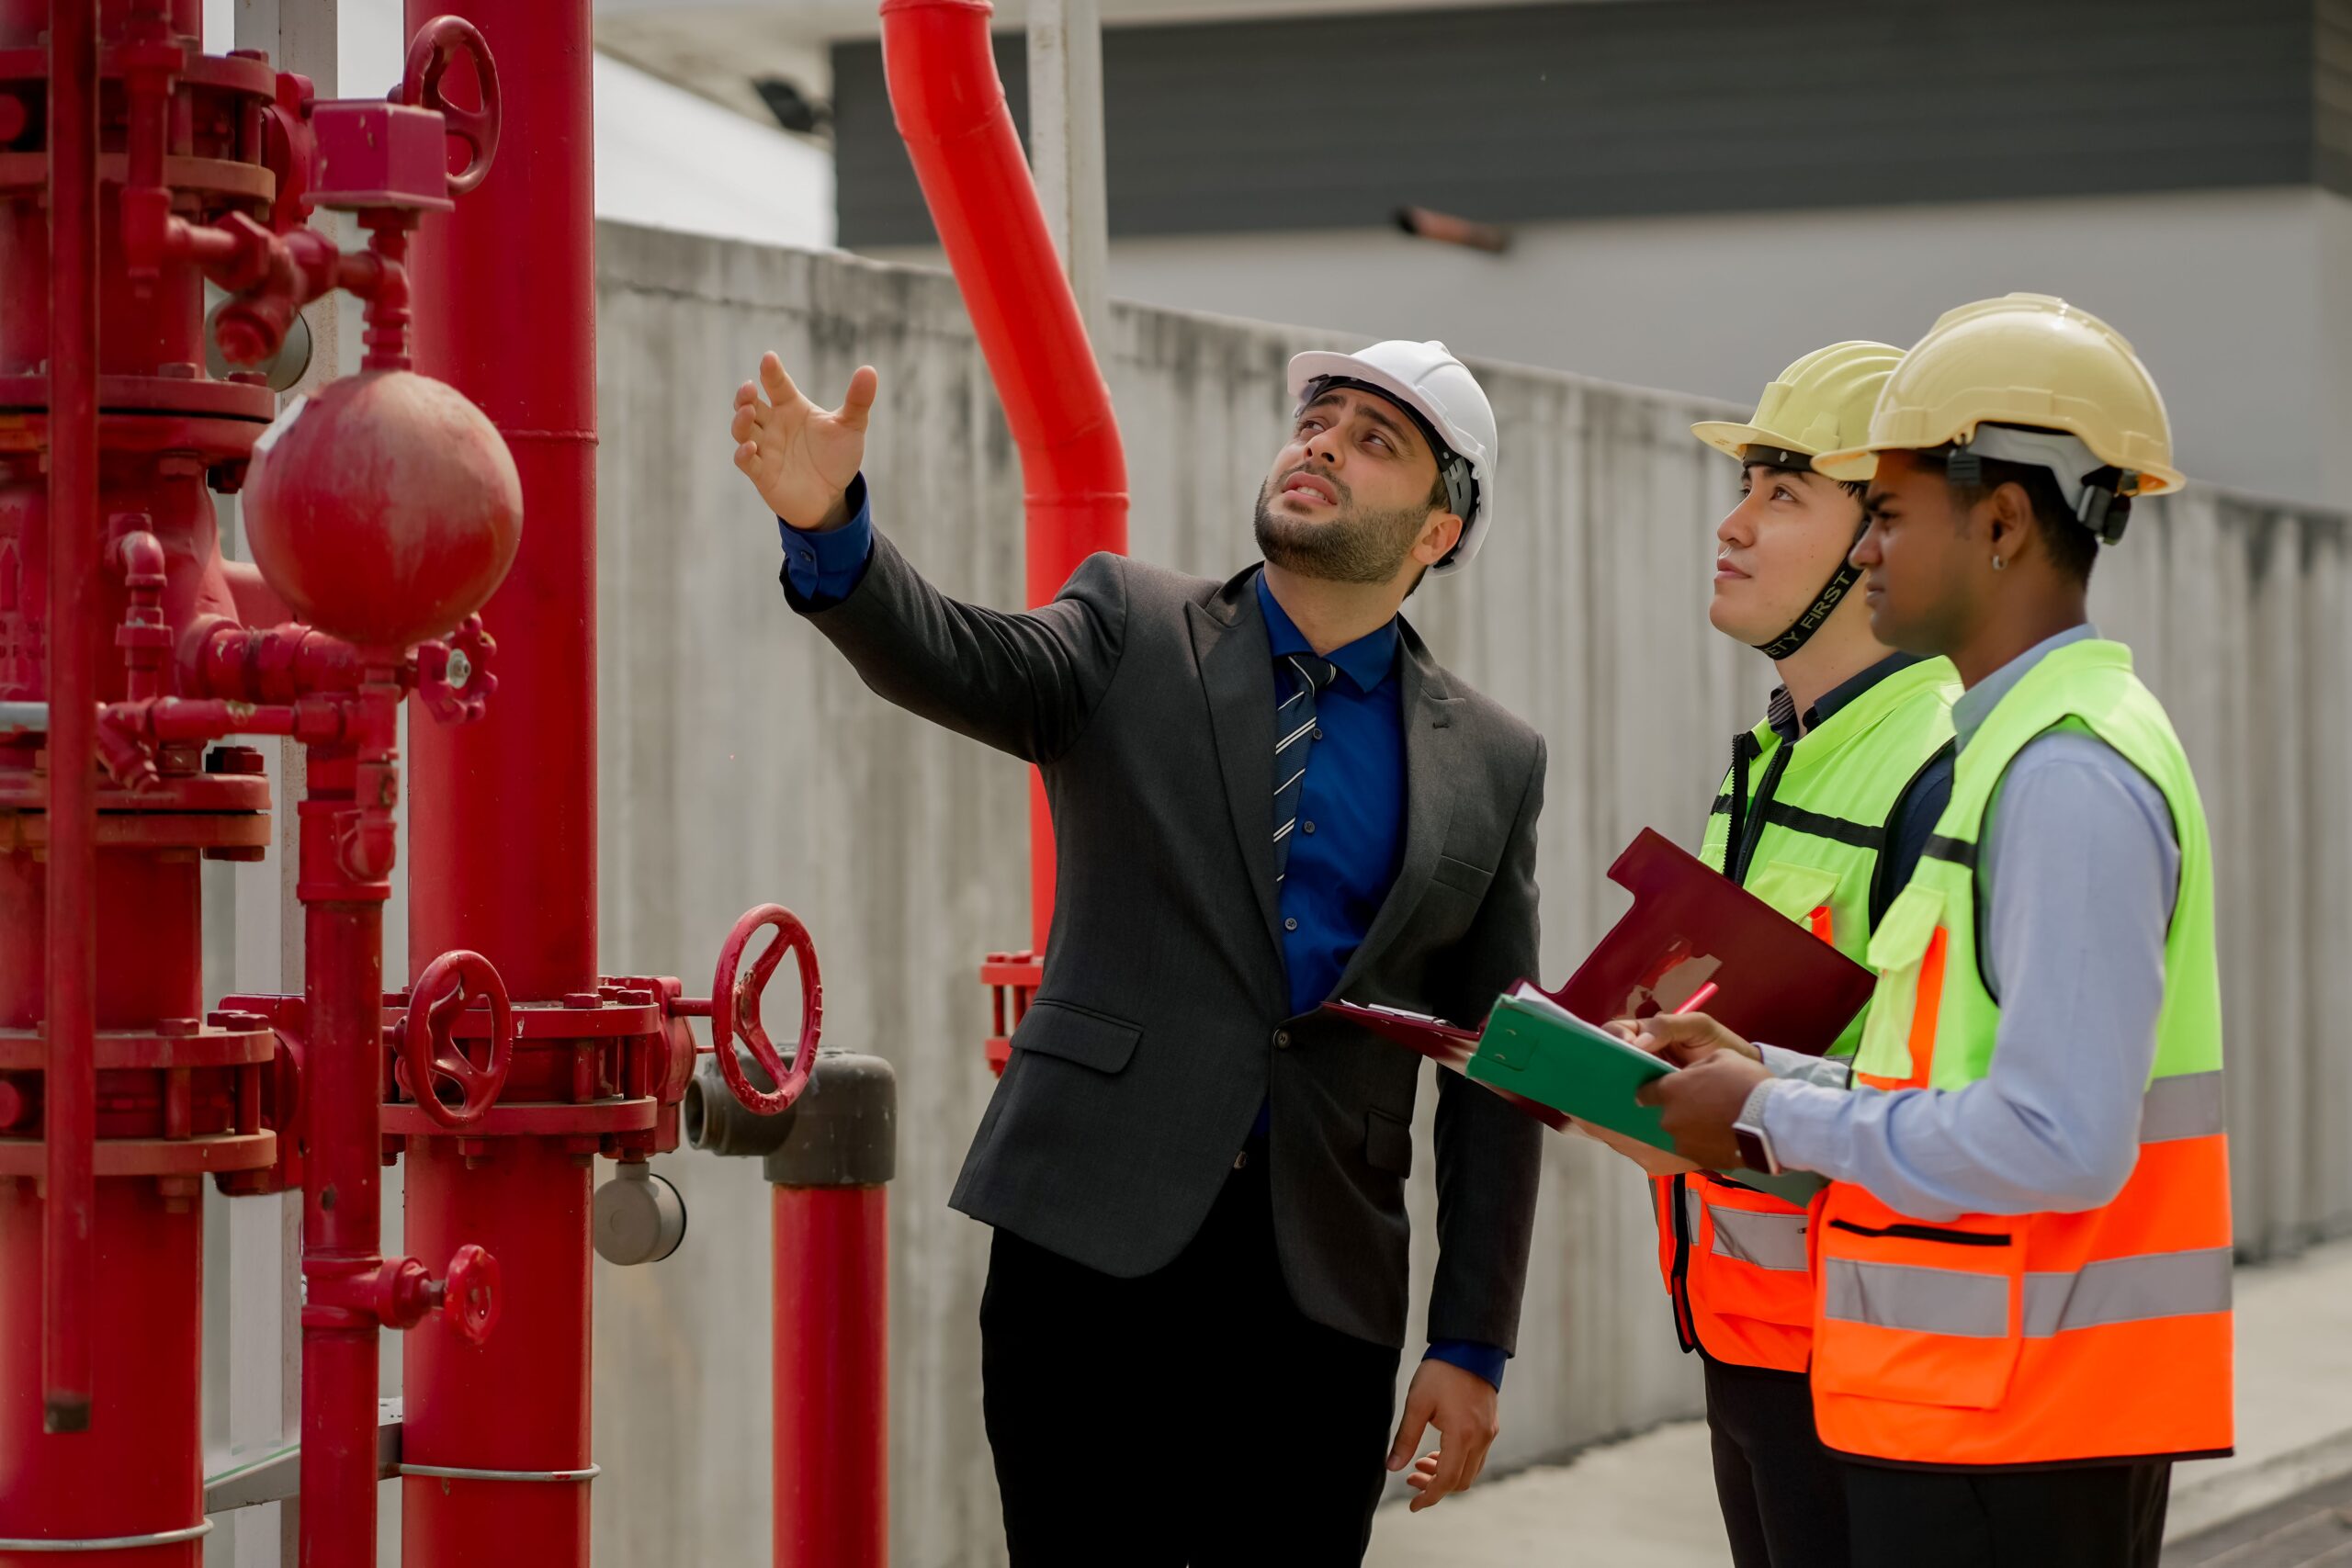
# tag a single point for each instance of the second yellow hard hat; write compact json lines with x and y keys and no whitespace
{"x":2023,"y":359}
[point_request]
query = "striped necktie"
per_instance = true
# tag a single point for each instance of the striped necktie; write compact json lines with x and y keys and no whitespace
{"x":1295,"y":735}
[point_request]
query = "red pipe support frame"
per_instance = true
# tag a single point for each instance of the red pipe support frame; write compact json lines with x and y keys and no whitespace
{"x":951,"y":112}
{"x":116,"y":1100}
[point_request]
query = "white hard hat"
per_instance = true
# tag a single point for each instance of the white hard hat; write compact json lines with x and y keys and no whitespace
{"x":1427,"y":381}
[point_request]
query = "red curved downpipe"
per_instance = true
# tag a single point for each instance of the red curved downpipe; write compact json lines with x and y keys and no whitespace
{"x":950,"y":107}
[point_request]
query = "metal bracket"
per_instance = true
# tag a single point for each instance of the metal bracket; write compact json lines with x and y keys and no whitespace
{"x":459,"y":1472}
{"x":278,"y":1475}
{"x":111,"y":1542}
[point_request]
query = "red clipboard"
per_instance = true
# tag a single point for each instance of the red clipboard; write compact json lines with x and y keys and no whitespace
{"x":1691,"y":925}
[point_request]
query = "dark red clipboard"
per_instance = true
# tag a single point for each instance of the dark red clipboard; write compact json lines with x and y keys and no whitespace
{"x":1691,"y":925}
{"x":1775,"y":980}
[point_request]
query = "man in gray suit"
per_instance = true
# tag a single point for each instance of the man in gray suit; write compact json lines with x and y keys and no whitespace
{"x":1265,"y":794}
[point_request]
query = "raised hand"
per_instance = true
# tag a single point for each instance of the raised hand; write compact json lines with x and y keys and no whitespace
{"x":800,"y":457}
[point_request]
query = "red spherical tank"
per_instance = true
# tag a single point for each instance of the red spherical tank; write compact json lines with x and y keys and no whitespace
{"x":384,"y":509}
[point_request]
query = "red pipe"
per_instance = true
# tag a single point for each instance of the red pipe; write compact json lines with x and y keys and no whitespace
{"x":832,"y":1376}
{"x":503,"y":833}
{"x":342,"y":961}
{"x":69,"y":1252}
{"x":951,"y":110}
{"x":518,"y":1404}
{"x":506,"y":311}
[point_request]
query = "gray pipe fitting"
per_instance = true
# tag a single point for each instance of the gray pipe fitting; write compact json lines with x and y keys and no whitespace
{"x":638,"y":1217}
{"x":842,"y":1132}
{"x":846,"y":1128}
{"x":715,"y":1122}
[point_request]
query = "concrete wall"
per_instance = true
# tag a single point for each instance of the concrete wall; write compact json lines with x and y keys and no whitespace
{"x":2224,"y":293}
{"x":743,"y":761}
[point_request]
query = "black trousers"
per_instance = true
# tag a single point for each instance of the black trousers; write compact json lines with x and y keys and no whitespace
{"x":1783,"y":1496}
{"x":2099,"y":1516}
{"x":1191,"y":1417}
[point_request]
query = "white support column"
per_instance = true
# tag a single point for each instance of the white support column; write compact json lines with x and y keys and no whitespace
{"x":1066,"y":145}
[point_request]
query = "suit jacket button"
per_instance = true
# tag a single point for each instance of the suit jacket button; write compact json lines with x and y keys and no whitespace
{"x":1281,"y":1038}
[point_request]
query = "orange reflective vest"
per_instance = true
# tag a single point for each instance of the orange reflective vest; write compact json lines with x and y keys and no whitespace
{"x":2043,"y":1338}
{"x":1735,"y":1259}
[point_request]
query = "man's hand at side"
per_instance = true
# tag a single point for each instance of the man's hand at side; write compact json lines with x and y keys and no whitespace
{"x":1460,"y":1405}
{"x":800,"y":457}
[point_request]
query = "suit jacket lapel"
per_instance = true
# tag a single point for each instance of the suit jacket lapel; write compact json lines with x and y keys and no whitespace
{"x":1431,"y":746}
{"x":1237,"y":674}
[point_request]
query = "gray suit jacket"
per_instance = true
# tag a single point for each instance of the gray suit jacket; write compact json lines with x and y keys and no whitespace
{"x":1164,"y":1022}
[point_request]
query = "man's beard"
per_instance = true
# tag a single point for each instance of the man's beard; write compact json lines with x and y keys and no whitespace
{"x":1353,"y":547}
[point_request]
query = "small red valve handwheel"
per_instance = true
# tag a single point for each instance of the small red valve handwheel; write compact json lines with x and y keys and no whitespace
{"x":453,"y":676}
{"x":430,"y":54}
{"x":429,"y":1048}
{"x":470,"y":1297}
{"x":736,"y":1002}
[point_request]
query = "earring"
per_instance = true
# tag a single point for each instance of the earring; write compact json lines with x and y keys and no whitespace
{"x":1998,"y":563}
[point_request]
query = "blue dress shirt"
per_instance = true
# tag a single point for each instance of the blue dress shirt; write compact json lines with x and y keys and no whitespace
{"x":1351,"y":835}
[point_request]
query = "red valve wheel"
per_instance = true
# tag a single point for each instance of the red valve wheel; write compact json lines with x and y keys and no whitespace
{"x":430,"y":1054}
{"x":430,"y":55}
{"x":471,"y":1299}
{"x":736,"y":1002}
{"x":454,"y":676}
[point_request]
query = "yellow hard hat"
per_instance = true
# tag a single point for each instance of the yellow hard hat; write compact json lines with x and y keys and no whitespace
{"x":1818,"y":404}
{"x":2023,"y":359}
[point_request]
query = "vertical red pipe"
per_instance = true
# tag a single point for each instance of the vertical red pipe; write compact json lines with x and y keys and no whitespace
{"x":342,"y":1221}
{"x":502,"y":843}
{"x":832,"y":1376}
{"x":139,"y":1470}
{"x":503,"y":838}
{"x":518,"y":1403}
{"x":69,"y":1243}
{"x":951,"y":112}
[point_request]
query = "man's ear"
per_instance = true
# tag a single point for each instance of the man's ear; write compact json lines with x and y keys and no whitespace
{"x":1439,"y":535}
{"x":2009,"y":524}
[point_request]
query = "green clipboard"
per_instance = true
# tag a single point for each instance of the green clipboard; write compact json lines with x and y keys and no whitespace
{"x":1534,"y":1047}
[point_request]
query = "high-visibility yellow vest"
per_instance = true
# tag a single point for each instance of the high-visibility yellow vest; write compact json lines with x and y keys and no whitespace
{"x":1734,"y":1258}
{"x":2044,"y":1338}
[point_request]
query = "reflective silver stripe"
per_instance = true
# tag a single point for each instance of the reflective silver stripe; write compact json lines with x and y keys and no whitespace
{"x":2189,"y":1106}
{"x":2128,"y":1290}
{"x":1767,"y":1241}
{"x":1930,"y":1300}
{"x":1693,"y":1205}
{"x":1976,"y":1306}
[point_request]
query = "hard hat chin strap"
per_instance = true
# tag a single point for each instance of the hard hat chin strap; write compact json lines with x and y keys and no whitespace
{"x":1816,"y":614}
